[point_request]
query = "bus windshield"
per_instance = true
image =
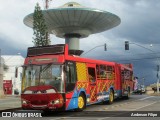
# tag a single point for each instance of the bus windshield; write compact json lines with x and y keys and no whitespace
{"x":36,"y":75}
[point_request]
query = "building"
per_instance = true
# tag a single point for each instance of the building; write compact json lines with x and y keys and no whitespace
{"x":1,"y":77}
{"x":11,"y":82}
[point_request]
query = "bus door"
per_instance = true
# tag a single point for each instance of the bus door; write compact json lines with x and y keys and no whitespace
{"x":92,"y":82}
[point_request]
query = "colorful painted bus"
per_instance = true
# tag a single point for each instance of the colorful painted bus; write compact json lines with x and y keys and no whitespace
{"x":55,"y":80}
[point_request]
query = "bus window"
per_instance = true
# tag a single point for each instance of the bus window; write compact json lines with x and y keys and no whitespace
{"x":110,"y":73}
{"x":122,"y":75}
{"x":127,"y":74}
{"x":71,"y":76}
{"x":103,"y":71}
{"x":97,"y":71}
{"x":91,"y":73}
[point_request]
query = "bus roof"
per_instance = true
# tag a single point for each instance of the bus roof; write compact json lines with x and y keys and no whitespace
{"x":87,"y":60}
{"x":62,"y":49}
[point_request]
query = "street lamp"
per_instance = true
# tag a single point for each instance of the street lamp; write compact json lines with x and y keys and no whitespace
{"x":105,"y":49}
{"x":127,"y":48}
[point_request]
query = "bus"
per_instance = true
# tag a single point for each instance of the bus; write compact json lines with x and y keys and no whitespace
{"x":55,"y":80}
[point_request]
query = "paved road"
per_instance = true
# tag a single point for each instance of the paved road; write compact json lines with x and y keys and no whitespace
{"x":136,"y":104}
{"x":10,"y":102}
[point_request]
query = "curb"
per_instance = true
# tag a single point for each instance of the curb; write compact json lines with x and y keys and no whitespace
{"x":11,"y":109}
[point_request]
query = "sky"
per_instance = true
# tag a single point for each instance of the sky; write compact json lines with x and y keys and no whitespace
{"x":140,"y":25}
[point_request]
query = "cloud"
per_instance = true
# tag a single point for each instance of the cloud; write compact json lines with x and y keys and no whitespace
{"x":7,"y":47}
{"x":140,"y":22}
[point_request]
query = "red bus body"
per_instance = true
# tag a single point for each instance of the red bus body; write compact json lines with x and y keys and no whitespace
{"x":92,"y":79}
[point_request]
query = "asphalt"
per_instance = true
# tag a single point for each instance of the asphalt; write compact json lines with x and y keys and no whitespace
{"x":14,"y":101}
{"x":10,"y":102}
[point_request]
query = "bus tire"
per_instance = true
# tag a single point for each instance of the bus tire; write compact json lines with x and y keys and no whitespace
{"x":81,"y":102}
{"x":111,"y":97}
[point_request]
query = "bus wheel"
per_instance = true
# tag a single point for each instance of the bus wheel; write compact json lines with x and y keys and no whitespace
{"x":111,"y":97}
{"x":81,"y":102}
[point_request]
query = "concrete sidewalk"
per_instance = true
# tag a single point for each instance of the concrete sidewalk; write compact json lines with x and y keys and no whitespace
{"x":10,"y":102}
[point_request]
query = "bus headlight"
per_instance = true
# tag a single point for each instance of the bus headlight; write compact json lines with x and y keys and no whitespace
{"x":88,"y":100}
{"x":24,"y":102}
{"x":57,"y":101}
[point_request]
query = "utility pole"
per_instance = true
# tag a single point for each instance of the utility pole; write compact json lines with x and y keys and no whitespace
{"x":157,"y":78}
{"x":47,"y":4}
{"x":1,"y":77}
{"x":46,"y":7}
{"x":143,"y":80}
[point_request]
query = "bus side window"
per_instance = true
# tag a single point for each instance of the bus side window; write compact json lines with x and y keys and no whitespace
{"x":110,"y":73}
{"x":103,"y":71}
{"x":127,"y":74}
{"x":71,"y":76}
{"x":91,"y":73}
{"x":97,"y":71}
{"x":122,"y":75}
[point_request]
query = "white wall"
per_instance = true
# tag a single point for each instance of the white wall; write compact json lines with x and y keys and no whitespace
{"x":13,"y":61}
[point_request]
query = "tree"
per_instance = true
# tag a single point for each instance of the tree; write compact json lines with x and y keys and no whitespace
{"x":39,"y":28}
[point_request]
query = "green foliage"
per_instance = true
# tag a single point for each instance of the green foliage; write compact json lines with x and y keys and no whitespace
{"x":40,"y":29}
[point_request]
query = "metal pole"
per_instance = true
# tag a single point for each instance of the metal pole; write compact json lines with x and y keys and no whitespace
{"x":0,"y":58}
{"x":143,"y":80}
{"x":1,"y":74}
{"x":157,"y":78}
{"x":94,"y":48}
